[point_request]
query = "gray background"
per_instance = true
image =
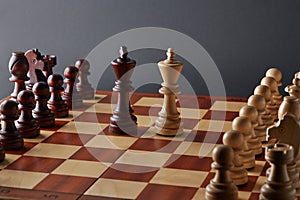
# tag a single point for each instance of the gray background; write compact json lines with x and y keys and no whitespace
{"x":243,"y":38}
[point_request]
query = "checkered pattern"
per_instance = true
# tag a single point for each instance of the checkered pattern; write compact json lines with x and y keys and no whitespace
{"x":80,"y":159}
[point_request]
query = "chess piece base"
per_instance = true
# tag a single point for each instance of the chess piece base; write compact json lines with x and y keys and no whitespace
{"x":248,"y":159}
{"x":260,"y":132}
{"x":255,"y":145}
{"x":44,"y":120}
{"x":127,"y":126}
{"x":58,"y":110}
{"x":28,"y":130}
{"x":238,"y":175}
{"x":13,"y":142}
{"x":217,"y":191}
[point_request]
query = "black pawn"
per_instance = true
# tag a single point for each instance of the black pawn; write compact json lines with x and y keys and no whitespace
{"x":58,"y":107}
{"x":71,"y":96}
{"x":278,"y":184}
{"x":26,"y":124}
{"x":10,"y":137}
{"x":221,"y":186}
{"x":41,"y":111}
{"x":83,"y":86}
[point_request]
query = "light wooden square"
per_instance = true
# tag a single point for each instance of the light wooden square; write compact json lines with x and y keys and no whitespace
{"x":116,"y":188}
{"x":83,"y":127}
{"x":20,"y":179}
{"x":111,"y":142}
{"x":150,"y":101}
{"x":213,"y":125}
{"x":146,"y":121}
{"x":195,"y":149}
{"x":101,"y":108}
{"x":52,"y":150}
{"x":144,"y":158}
{"x":188,"y":178}
{"x":81,"y":168}
{"x":191,"y":113}
{"x":228,"y":106}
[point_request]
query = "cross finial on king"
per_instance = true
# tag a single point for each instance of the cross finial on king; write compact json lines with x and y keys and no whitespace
{"x":171,"y":54}
{"x":123,"y":52}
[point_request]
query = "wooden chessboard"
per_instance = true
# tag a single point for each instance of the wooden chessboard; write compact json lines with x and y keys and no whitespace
{"x":80,"y":159}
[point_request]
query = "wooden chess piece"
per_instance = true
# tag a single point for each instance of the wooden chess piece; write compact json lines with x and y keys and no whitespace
{"x":71,"y":96}
{"x":290,"y":105}
{"x":294,"y":90}
{"x":26,"y":124}
{"x":10,"y":137}
{"x":287,"y":131}
{"x":243,"y":125}
{"x":58,"y":107}
{"x":51,"y":62}
{"x":123,"y":120}
{"x":253,"y":142}
{"x":259,"y":103}
{"x":278,"y":184}
{"x":169,"y":122}
{"x":18,"y":67}
{"x":271,"y":83}
{"x":221,"y":186}
{"x":83,"y":86}
{"x":35,"y":61}
{"x":41,"y":111}
{"x":238,"y":173}
{"x":271,"y":111}
{"x":277,"y":76}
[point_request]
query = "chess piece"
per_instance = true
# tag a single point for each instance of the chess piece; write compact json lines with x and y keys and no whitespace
{"x":36,"y":64}
{"x":290,"y":105}
{"x":294,"y":90}
{"x":26,"y":124}
{"x":278,"y":184}
{"x":271,"y":108}
{"x":10,"y":138}
{"x":277,"y":76}
{"x":71,"y":96}
{"x":243,"y":125}
{"x":259,"y":103}
{"x":41,"y":112}
{"x":18,"y":67}
{"x":83,"y":86}
{"x":271,"y":83}
{"x":287,"y":131}
{"x":238,"y":173}
{"x":58,"y":107}
{"x":169,"y":122}
{"x":253,"y":142}
{"x":123,"y":120}
{"x":51,"y":62}
{"x":221,"y":186}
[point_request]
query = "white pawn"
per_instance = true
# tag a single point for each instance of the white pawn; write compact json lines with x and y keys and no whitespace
{"x":221,"y":186}
{"x":259,"y":103}
{"x":277,"y":75}
{"x":243,"y":125}
{"x":271,"y":83}
{"x":271,"y":108}
{"x":254,"y":143}
{"x":238,"y":173}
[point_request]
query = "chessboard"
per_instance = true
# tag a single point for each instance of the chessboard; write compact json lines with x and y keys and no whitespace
{"x":80,"y":159}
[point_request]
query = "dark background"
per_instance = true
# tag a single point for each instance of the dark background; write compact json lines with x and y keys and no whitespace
{"x":243,"y":38}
